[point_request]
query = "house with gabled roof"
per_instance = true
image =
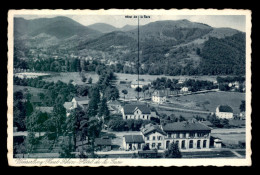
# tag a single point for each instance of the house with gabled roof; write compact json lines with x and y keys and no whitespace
{"x":224,"y":111}
{"x":153,"y":136}
{"x":133,"y":142}
{"x":136,"y":111}
{"x":159,"y":97}
{"x":103,"y":143}
{"x":76,"y":102}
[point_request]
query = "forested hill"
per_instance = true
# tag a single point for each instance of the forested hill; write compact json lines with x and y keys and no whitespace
{"x":224,"y":56}
{"x":168,"y":47}
{"x":59,"y":27}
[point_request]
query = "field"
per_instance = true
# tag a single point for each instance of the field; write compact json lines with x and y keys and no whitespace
{"x":32,"y":90}
{"x":210,"y":101}
{"x":148,"y":78}
{"x":131,"y":77}
{"x":75,"y":76}
{"x":230,"y":136}
{"x":186,"y":115}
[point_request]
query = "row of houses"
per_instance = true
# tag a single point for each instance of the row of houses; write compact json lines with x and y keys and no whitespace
{"x":187,"y":135}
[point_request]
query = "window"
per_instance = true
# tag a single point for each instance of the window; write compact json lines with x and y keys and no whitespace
{"x":147,"y":138}
{"x":198,"y":144}
{"x":191,"y":144}
{"x":153,"y":137}
{"x":153,"y":145}
{"x":159,"y":145}
{"x":167,"y":144}
{"x":183,"y":144}
{"x":159,"y":138}
{"x":204,"y":143}
{"x":184,"y":135}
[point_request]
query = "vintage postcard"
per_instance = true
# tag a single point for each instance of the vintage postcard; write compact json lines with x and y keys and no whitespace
{"x":129,"y":87}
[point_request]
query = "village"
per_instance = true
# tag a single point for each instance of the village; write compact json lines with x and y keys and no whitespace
{"x":147,"y":116}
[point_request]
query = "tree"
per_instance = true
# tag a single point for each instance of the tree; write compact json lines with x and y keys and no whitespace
{"x":173,"y":151}
{"x":18,"y":96}
{"x":111,"y":93}
{"x":82,"y":90}
{"x":31,"y":142}
{"x":145,"y":88}
{"x":66,"y":148}
{"x":103,"y":110}
{"x":93,"y":103}
{"x":117,"y":124}
{"x":181,"y":118}
{"x":242,"y":106}
{"x":124,"y":91}
{"x":90,"y":80}
{"x":83,"y":78}
{"x":94,"y":130}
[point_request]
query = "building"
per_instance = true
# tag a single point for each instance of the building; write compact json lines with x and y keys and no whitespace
{"x":242,"y":115}
{"x":103,"y":144}
{"x":80,"y":101}
{"x":76,"y":102}
{"x":224,"y":111}
{"x":188,"y":135}
{"x":114,"y":107}
{"x":153,"y":136}
{"x":159,"y":97}
{"x":81,"y":145}
{"x":181,"y":81}
{"x":134,"y":84}
{"x":217,"y":143}
{"x":133,"y":142}
{"x":44,"y":109}
{"x":136,"y":111}
{"x":184,"y":89}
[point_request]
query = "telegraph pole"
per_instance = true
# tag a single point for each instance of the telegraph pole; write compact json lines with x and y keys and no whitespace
{"x":138,"y":63}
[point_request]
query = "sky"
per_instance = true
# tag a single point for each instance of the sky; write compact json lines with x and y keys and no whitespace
{"x":232,"y":21}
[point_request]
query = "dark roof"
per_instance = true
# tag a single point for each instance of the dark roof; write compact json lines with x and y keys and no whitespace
{"x":85,"y":98}
{"x":185,"y":126}
{"x":44,"y":109}
{"x":67,"y":105}
{"x":130,"y":108}
{"x":225,"y":108}
{"x":207,"y":123}
{"x":103,"y":141}
{"x":134,"y":139}
{"x":81,"y":143}
{"x":152,"y":128}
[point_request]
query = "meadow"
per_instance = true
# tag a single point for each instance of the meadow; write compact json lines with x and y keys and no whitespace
{"x":75,"y":76}
{"x":210,"y":101}
{"x":131,"y":77}
{"x":32,"y":90}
